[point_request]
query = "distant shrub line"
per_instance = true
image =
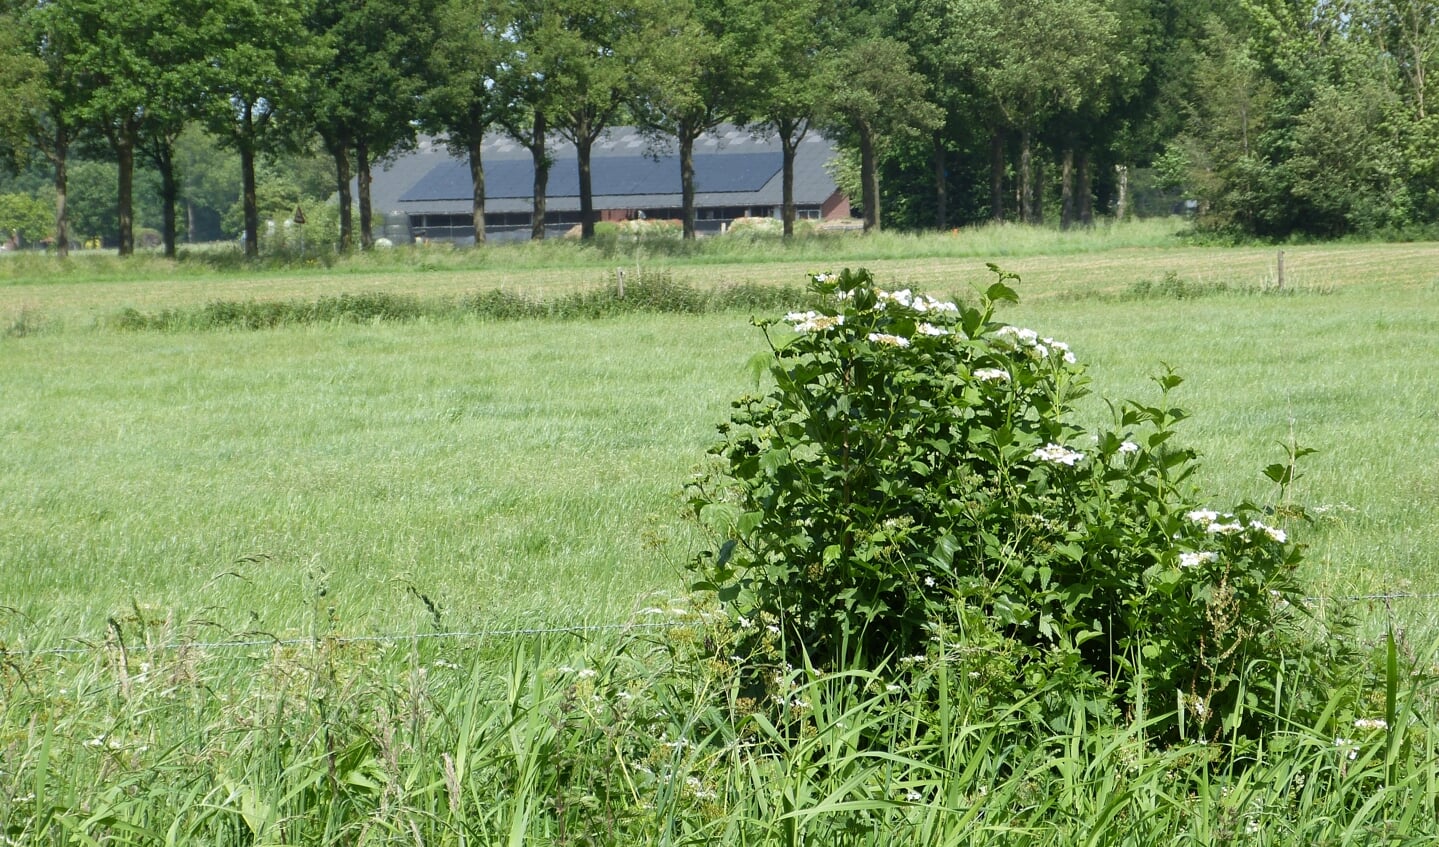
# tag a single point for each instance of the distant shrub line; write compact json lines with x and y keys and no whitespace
{"x":650,"y":293}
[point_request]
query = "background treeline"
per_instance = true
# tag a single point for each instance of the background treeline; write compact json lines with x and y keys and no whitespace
{"x":205,"y":119}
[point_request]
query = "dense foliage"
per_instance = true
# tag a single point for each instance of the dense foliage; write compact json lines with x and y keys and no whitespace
{"x":1272,"y":118}
{"x":913,"y":484}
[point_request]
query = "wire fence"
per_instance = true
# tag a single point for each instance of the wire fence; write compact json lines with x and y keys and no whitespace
{"x":87,"y":645}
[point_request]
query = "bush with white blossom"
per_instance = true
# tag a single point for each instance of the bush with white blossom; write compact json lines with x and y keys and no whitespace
{"x":913,"y":486}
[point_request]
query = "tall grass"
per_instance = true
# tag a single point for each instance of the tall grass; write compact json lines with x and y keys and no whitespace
{"x":637,"y":739}
{"x":303,"y":492}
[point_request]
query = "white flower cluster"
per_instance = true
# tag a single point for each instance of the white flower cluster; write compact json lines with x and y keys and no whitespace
{"x":891,"y":340}
{"x":917,"y":302}
{"x":991,"y":375}
{"x":1217,"y":524}
{"x":1128,"y":447}
{"x":813,"y":321}
{"x":1057,"y":454}
{"x":1028,"y":341}
{"x":1371,"y":723}
{"x":930,"y":329}
{"x":1194,"y":560}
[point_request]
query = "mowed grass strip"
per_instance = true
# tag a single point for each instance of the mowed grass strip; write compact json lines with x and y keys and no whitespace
{"x":528,"y":472}
{"x":511,"y":472}
{"x":1112,"y":260}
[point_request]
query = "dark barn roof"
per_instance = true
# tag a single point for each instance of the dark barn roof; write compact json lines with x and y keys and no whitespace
{"x":619,"y":177}
{"x":630,"y":170}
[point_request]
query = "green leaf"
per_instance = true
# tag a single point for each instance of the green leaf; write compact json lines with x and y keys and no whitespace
{"x":999,"y":291}
{"x":1280,"y":473}
{"x":747,"y":522}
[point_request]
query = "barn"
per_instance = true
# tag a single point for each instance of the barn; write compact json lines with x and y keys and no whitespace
{"x":426,"y":194}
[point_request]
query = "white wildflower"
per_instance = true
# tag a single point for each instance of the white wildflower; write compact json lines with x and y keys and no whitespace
{"x":930,"y":329}
{"x":1371,"y":723}
{"x":1061,"y":348}
{"x":1348,"y":747}
{"x":1057,"y":454}
{"x":1128,"y":447}
{"x":892,"y":688}
{"x":1194,"y":560}
{"x":813,"y":321}
{"x":991,"y":375}
{"x":929,"y":582}
{"x":913,"y":796}
{"x":891,"y":340}
{"x":822,"y":278}
{"x":1224,"y":528}
{"x":1204,"y":516}
{"x":1275,"y":534}
{"x":903,"y":297}
{"x":588,"y":673}
{"x":1013,"y":337}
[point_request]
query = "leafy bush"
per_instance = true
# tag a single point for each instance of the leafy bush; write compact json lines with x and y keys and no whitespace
{"x":912,"y":487}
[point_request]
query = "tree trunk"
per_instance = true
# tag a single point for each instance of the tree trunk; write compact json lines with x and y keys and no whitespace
{"x":362,"y":168}
{"x":1036,"y":214}
{"x":248,"y":198}
{"x":941,"y":185}
{"x":125,"y":157}
{"x":169,"y":196}
{"x":62,"y":219}
{"x":1026,"y":179}
{"x":869,"y":177}
{"x":1067,"y":213}
{"x":189,"y":222}
{"x":1121,"y":203}
{"x":996,"y":176}
{"x":583,"y":144}
{"x":542,"y":177}
{"x":341,"y":153}
{"x":787,"y":210}
{"x":687,"y":177}
{"x":477,"y":179}
{"x":1086,"y":190}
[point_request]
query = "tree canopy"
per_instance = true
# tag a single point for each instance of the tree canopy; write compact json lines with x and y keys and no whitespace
{"x":1273,"y":118}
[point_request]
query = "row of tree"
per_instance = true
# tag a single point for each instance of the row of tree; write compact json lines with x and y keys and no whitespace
{"x":1277,"y":116}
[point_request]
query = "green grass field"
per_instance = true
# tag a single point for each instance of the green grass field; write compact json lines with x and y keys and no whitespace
{"x":460,"y":474}
{"x":530,"y":470}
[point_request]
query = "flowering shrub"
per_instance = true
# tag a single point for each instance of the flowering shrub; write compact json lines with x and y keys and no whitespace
{"x":912,"y":487}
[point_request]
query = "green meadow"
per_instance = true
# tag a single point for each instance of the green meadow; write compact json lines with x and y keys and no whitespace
{"x":529,"y":470}
{"x":456,"y":472}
